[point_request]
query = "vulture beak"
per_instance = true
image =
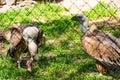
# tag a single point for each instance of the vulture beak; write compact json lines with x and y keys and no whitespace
{"x":74,"y":18}
{"x":78,"y":18}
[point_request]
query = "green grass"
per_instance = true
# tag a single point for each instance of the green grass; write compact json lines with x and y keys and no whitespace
{"x":63,"y":57}
{"x":101,"y":10}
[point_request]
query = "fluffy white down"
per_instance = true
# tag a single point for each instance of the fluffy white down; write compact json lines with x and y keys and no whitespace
{"x":30,"y":32}
{"x":32,"y":47}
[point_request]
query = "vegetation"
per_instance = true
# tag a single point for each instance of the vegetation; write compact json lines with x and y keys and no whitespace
{"x":101,"y":10}
{"x":63,"y":57}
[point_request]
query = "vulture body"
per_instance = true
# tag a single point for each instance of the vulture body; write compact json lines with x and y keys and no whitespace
{"x":5,"y":34}
{"x":25,"y":37}
{"x":104,"y":48}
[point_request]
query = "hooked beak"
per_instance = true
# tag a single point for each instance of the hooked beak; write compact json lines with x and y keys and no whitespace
{"x":74,"y":18}
{"x":78,"y":18}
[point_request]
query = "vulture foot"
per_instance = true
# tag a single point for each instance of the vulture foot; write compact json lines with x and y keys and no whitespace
{"x":100,"y":67}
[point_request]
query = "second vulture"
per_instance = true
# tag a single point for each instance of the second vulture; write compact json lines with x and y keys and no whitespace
{"x":104,"y":48}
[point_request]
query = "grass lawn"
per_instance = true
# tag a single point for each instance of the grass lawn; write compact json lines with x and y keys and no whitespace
{"x":101,"y":10}
{"x":63,"y":57}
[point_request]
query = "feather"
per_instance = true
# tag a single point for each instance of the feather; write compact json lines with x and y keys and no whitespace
{"x":24,"y":37}
{"x":103,"y":47}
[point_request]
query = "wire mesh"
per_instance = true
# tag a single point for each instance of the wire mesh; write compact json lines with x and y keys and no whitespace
{"x":54,"y":18}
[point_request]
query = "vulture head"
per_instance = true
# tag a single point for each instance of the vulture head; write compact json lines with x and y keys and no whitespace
{"x":83,"y":20}
{"x":26,"y":63}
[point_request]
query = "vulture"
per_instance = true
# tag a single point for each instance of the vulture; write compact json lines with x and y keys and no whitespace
{"x":103,"y":47}
{"x":25,"y":37}
{"x":5,"y":34}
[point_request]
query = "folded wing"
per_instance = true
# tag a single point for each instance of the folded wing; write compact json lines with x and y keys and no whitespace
{"x":103,"y":47}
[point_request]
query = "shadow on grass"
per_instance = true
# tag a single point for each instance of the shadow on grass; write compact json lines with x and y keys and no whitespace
{"x":74,"y":58}
{"x":58,"y":27}
{"x":117,"y":31}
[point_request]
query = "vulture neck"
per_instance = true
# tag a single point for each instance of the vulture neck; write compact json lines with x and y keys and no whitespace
{"x":84,"y":27}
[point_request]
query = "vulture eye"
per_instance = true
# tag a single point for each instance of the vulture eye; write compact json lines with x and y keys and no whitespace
{"x":80,"y":17}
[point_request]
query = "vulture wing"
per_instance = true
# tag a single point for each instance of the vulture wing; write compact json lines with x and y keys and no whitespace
{"x":15,"y":38}
{"x":103,"y":47}
{"x":17,"y":44}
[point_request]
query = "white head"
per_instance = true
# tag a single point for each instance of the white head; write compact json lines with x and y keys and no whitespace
{"x":83,"y":20}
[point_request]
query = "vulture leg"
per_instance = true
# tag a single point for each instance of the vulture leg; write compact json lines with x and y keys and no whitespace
{"x":29,"y":65}
{"x":17,"y":57}
{"x":17,"y":45}
{"x":100,"y":67}
{"x":17,"y":52}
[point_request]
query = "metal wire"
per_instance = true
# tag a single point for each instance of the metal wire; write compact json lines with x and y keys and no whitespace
{"x":58,"y":27}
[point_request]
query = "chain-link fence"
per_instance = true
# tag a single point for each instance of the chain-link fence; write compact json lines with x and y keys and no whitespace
{"x":54,"y":18}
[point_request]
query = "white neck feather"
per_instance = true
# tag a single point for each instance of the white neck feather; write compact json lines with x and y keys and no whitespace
{"x":84,"y":26}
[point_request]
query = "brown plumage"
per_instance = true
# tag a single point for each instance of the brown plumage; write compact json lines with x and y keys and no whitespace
{"x":5,"y":34}
{"x":101,"y":46}
{"x":19,"y":42}
{"x":20,"y":27}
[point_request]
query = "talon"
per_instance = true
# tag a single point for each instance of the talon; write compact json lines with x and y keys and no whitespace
{"x":18,"y":64}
